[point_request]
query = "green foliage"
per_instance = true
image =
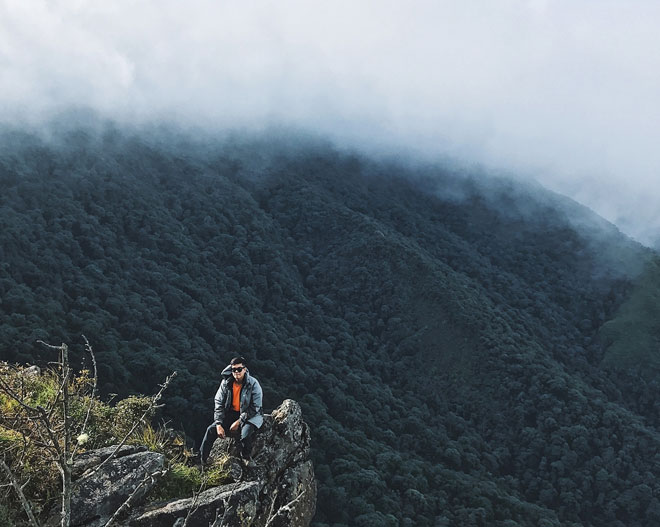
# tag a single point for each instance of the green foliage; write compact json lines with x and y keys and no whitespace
{"x":182,"y":480}
{"x":8,"y":436}
{"x":20,"y":435}
{"x":129,"y":411}
{"x":36,"y":390}
{"x":154,"y":439}
{"x":19,"y":446}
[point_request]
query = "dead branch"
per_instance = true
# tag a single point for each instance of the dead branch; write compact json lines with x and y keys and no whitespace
{"x":51,"y":434}
{"x":9,"y":391}
{"x":285,"y":508}
{"x":152,"y":405}
{"x":127,"y":504}
{"x":47,"y":429}
{"x":51,"y":346}
{"x":194,"y":506}
{"x":217,"y":517}
{"x":60,"y":391}
{"x":88,"y":347}
{"x":19,"y":490}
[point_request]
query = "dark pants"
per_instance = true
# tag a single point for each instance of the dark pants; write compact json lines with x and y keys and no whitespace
{"x":245,"y":433}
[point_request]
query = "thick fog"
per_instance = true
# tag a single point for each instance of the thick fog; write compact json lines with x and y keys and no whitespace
{"x":565,"y":92}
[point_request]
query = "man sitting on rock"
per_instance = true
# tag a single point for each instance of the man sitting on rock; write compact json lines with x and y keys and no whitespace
{"x":238,"y":409}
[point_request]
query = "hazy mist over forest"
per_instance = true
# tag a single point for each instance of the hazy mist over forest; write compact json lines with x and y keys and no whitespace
{"x":353,"y":197}
{"x":562,"y":92}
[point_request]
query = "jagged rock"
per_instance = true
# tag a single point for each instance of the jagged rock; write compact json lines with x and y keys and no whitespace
{"x":96,"y":497}
{"x":92,"y":458}
{"x":278,"y":487}
{"x":294,"y":502}
{"x":288,"y":495}
{"x":229,"y":505}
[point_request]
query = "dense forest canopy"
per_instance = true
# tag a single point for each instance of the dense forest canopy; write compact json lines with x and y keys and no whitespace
{"x":441,"y":328}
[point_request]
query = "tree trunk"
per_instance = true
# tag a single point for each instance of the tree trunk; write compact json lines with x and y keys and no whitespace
{"x":67,"y":461}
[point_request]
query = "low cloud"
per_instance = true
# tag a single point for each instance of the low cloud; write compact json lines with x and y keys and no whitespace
{"x":561,"y":91}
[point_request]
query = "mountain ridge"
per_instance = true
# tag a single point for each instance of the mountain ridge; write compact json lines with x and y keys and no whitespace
{"x":446,"y":352}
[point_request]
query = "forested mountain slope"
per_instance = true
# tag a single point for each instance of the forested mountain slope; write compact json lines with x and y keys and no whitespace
{"x":441,"y":330}
{"x":632,"y":338}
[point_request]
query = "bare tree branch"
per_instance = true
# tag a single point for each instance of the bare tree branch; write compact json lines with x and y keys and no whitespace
{"x":126,"y":505}
{"x":51,"y":346}
{"x":154,"y":400}
{"x":9,"y":391}
{"x":285,"y":508}
{"x":21,"y":496}
{"x":217,"y":517}
{"x":227,"y":504}
{"x":50,"y":429}
{"x":194,"y":506}
{"x":88,"y":347}
{"x":51,"y":433}
{"x":64,"y":463}
{"x":60,"y":391}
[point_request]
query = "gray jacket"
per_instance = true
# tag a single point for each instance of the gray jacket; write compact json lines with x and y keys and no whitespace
{"x":251,"y":399}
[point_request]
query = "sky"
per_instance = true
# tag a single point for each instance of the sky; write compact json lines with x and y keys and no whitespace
{"x":564,"y":92}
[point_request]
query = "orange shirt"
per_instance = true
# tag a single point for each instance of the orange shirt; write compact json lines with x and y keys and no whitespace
{"x":236,"y":396}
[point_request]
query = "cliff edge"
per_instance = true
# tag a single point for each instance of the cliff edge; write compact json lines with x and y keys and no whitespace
{"x":276,"y":489}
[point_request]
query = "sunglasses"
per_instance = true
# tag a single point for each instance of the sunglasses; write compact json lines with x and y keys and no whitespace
{"x":238,"y":370}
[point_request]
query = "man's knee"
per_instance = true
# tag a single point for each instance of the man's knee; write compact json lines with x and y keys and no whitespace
{"x":247,"y":431}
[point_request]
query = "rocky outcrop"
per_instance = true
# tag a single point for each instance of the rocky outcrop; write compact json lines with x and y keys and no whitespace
{"x":96,"y":497}
{"x":234,"y":504}
{"x":276,"y":489}
{"x":86,"y":461}
{"x":288,"y":493}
